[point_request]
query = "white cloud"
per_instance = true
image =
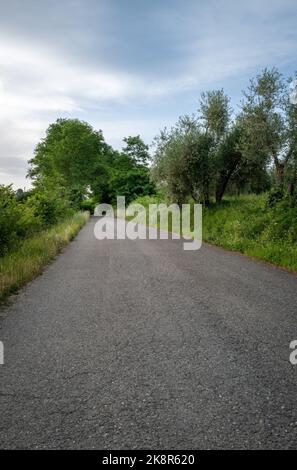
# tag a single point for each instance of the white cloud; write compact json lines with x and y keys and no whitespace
{"x":35,"y":80}
{"x":207,"y":42}
{"x":115,"y":130}
{"x":35,"y":88}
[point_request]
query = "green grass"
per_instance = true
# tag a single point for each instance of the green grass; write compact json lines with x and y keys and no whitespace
{"x":246,"y":224}
{"x":33,"y":254}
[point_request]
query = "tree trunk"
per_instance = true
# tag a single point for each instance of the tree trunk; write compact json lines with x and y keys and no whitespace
{"x":292,"y":184}
{"x":280,"y":171}
{"x":221,"y":188}
{"x":223,"y":183}
{"x":225,"y":176}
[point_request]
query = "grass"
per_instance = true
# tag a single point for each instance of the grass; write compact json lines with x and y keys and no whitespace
{"x":246,"y":224}
{"x":33,"y":254}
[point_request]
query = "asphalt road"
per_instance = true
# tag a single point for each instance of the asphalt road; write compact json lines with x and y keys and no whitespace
{"x":139,"y":344}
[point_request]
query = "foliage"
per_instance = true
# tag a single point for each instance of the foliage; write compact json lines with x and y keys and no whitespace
{"x":17,"y":220}
{"x":269,"y":125}
{"x":248,"y":225}
{"x":73,"y":155}
{"x":131,"y":184}
{"x":229,"y":161}
{"x":88,"y":205}
{"x":49,"y":207}
{"x":215,"y":112}
{"x":136,"y":150}
{"x":205,"y":157}
{"x":192,"y":160}
{"x":31,"y":255}
{"x":246,"y":150}
{"x":183,"y":160}
{"x":129,"y":174}
{"x":74,"y":158}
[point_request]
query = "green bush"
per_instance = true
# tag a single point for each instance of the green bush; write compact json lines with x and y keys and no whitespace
{"x":274,"y":196}
{"x":17,"y":220}
{"x":49,"y":207}
{"x":88,"y":205}
{"x":10,"y":213}
{"x":21,"y":217}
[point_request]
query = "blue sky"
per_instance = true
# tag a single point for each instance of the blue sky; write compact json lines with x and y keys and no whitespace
{"x":128,"y":66}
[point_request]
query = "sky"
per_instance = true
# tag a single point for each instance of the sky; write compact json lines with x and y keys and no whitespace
{"x":128,"y":67}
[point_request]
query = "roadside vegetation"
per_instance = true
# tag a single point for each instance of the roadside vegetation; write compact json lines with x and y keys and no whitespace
{"x":32,"y":254}
{"x":242,"y":166}
{"x":248,"y":224}
{"x":72,"y":170}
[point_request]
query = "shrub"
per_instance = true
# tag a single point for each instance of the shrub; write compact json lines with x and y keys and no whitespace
{"x":88,"y":205}
{"x":17,"y":219}
{"x":49,"y":207}
{"x":274,"y":196}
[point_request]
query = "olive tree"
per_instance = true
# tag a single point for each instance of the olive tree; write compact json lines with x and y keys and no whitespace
{"x":269,"y":123}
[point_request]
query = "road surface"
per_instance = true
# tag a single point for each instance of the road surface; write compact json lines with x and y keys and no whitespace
{"x":139,"y":344}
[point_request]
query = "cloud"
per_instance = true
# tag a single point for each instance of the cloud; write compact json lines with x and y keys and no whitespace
{"x":14,"y":169}
{"x":128,"y":67}
{"x":13,"y":165}
{"x":116,"y":130}
{"x":36,"y":87}
{"x":35,"y":80}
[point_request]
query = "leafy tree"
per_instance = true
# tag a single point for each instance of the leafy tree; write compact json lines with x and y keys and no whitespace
{"x":72,"y":155}
{"x":215,"y":113}
{"x":269,"y":123}
{"x":75,"y":158}
{"x":130,"y":176}
{"x":136,"y":150}
{"x":184,"y":160}
{"x":131,"y":184}
{"x":291,"y":169}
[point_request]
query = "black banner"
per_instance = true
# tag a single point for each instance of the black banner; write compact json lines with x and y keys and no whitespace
{"x":138,"y":458}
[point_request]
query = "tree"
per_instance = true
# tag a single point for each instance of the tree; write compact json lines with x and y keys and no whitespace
{"x":215,"y":113}
{"x":292,"y":137}
{"x":269,"y":123}
{"x":130,"y":175}
{"x":73,"y":155}
{"x":229,"y":158}
{"x":131,"y":184}
{"x":183,"y":160}
{"x":136,"y":150}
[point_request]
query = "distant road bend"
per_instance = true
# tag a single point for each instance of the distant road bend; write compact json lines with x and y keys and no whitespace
{"x":126,"y":344}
